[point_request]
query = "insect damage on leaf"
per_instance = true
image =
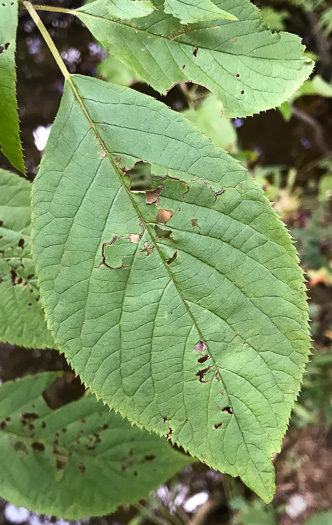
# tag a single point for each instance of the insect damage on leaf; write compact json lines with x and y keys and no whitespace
{"x":119,"y":249}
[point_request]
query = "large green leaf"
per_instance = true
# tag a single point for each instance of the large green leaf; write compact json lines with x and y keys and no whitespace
{"x":242,"y":62}
{"x":192,"y":11}
{"x":22,"y":320}
{"x":186,"y":314}
{"x":76,"y":461}
{"x":10,"y":142}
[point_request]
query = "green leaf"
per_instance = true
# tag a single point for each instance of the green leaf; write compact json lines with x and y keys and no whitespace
{"x":326,"y":21}
{"x":192,"y":11}
{"x":22,"y":320}
{"x":208,"y":118}
{"x":187,"y":314}
{"x":325,"y":518}
{"x":126,"y":9}
{"x":76,"y":461}
{"x":244,"y":64}
{"x":112,"y":70}
{"x":10,"y":141}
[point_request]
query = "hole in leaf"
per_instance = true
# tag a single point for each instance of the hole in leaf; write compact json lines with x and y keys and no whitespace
{"x":217,"y":425}
{"x":242,"y":92}
{"x":170,"y":432}
{"x":153,"y":196}
{"x":237,"y":75}
{"x":203,"y":359}
{"x":1,"y":223}
{"x":173,"y":258}
{"x":148,"y":249}
{"x":140,"y":176}
{"x":202,"y":373}
{"x":81,"y":468}
{"x":164,"y":216}
{"x":163,"y":234}
{"x":195,"y":52}
{"x":5,"y":46}
{"x":201,"y":346}
{"x":184,"y":66}
{"x":228,"y":409}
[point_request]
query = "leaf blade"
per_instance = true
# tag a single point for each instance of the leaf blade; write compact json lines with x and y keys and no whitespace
{"x":10,"y":141}
{"x":245,"y":65}
{"x":88,"y":460}
{"x":157,"y":305}
{"x":22,"y":320}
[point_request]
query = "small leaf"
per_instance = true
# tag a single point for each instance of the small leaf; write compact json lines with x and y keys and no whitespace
{"x":10,"y":141}
{"x":76,"y":461}
{"x":192,"y":11}
{"x":209,"y":119}
{"x":126,"y":9}
{"x":22,"y":320}
{"x":249,"y":68}
{"x":199,"y":330}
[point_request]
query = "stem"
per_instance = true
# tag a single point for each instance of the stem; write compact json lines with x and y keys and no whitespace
{"x":48,"y":39}
{"x":39,"y":7}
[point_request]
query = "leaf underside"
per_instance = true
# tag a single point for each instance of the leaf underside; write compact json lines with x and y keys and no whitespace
{"x":192,"y":11}
{"x":188,"y":314}
{"x":249,"y":68}
{"x":78,"y":460}
{"x":22,"y":320}
{"x":10,"y":141}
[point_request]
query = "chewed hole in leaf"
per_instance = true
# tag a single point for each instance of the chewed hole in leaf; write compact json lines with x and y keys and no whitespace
{"x":228,"y":409}
{"x":118,"y":253}
{"x":217,"y":425}
{"x":203,"y":359}
{"x":140,"y":176}
{"x":153,"y":196}
{"x":173,"y":258}
{"x":195,"y":52}
{"x":201,"y":346}
{"x":4,"y":47}
{"x":163,"y":234}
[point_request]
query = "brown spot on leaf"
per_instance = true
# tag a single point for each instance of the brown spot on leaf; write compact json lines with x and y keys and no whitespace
{"x":20,"y":448}
{"x":153,"y":196}
{"x":194,"y":223}
{"x":149,"y":457}
{"x":21,"y":243}
{"x":38,"y":446}
{"x":3,"y":425}
{"x":81,"y":467}
{"x":148,"y":249}
{"x":28,"y":417}
{"x":164,"y":216}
